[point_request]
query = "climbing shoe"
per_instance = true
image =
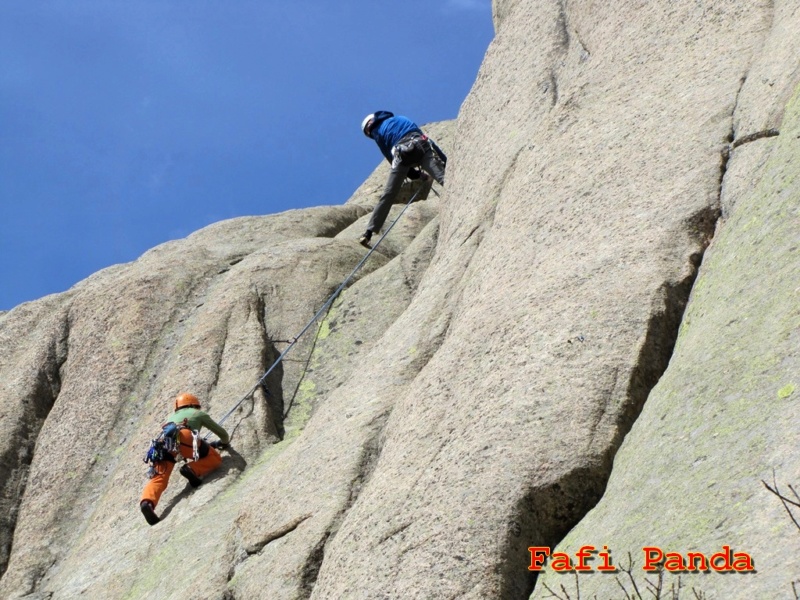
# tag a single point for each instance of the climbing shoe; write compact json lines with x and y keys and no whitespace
{"x":364,"y":239}
{"x":194,"y":480}
{"x":149,"y":512}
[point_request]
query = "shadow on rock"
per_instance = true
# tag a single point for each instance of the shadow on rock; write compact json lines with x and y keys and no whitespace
{"x":233,"y":461}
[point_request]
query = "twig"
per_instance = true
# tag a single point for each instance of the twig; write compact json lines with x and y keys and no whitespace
{"x":676,"y":594}
{"x":630,"y":575}
{"x":783,"y":499}
{"x":781,"y":496}
{"x":656,"y":589}
{"x":795,"y":493}
{"x":624,"y":591}
{"x":563,"y":589}
{"x":554,"y":595}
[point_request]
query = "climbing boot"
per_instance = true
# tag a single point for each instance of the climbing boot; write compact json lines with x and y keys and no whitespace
{"x":149,"y":512}
{"x":194,"y":480}
{"x":364,"y":239}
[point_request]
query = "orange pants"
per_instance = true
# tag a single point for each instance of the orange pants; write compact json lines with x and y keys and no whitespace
{"x":156,"y":486}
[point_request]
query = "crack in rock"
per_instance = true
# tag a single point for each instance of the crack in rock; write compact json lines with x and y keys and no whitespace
{"x":310,"y":572}
{"x":276,"y":534}
{"x":755,"y":136}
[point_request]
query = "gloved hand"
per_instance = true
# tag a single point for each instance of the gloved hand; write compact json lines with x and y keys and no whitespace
{"x":218,"y":445}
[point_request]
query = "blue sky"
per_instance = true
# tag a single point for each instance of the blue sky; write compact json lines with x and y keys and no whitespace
{"x":127,"y":123}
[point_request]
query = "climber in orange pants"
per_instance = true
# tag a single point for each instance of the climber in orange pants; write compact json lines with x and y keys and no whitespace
{"x":189,"y":418}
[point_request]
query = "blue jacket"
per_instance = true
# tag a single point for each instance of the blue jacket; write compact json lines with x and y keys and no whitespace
{"x":389,"y":129}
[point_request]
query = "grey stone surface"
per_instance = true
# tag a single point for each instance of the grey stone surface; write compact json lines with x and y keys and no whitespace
{"x":689,"y":476}
{"x":587,"y":215}
{"x":96,"y":367}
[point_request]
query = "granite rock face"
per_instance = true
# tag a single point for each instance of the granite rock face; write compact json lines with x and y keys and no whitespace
{"x":722,"y":419}
{"x":466,"y":397}
{"x":88,"y":376}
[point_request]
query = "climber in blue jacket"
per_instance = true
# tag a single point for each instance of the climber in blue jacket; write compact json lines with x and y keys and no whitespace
{"x":407,"y":149}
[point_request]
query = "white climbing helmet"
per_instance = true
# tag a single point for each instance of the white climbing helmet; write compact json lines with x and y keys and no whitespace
{"x":365,"y":122}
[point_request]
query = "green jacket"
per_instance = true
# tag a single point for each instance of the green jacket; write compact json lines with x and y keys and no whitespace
{"x":197,"y":419}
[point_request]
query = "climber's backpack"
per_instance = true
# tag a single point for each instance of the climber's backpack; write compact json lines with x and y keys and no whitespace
{"x":166,"y":446}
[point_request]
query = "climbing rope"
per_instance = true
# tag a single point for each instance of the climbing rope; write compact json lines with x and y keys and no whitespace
{"x":325,"y":306}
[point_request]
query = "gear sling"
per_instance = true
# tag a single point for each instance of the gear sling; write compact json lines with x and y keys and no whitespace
{"x":177,"y":439}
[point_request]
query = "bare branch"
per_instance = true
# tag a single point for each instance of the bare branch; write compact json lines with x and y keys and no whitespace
{"x":554,"y":595}
{"x":781,"y":496}
{"x":676,"y":592}
{"x":651,"y":587}
{"x":785,"y":501}
{"x":795,"y":493}
{"x":655,"y":588}
{"x":624,"y":591}
{"x":629,"y":572}
{"x":698,"y":594}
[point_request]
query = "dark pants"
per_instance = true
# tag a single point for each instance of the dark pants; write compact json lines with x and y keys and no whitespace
{"x":430,"y":163}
